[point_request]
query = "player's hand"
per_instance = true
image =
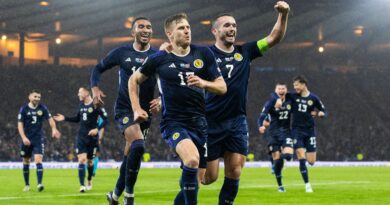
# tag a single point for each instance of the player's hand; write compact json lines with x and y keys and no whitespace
{"x":93,"y":132}
{"x":321,"y":114}
{"x":278,"y":103}
{"x":140,"y":115}
{"x":97,"y":96}
{"x":282,"y":7}
{"x":194,"y":80}
{"x":55,"y":133}
{"x":26,"y":141}
{"x":262,"y":130}
{"x":266,"y":123}
{"x":100,"y":141}
{"x":313,"y":113}
{"x":155,"y":105}
{"x":166,"y":47}
{"x":59,"y":117}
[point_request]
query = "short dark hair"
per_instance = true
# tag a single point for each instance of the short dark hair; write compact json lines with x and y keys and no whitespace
{"x":138,"y":19}
{"x":174,"y":18}
{"x":300,"y":79}
{"x":34,"y":91}
{"x":281,"y":83}
{"x":213,"y":23}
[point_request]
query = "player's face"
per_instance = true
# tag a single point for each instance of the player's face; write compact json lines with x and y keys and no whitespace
{"x":281,"y":90}
{"x":180,"y":33}
{"x":299,"y":87}
{"x":34,"y":98}
{"x":226,"y":30}
{"x":142,"y":31}
{"x":83,"y":94}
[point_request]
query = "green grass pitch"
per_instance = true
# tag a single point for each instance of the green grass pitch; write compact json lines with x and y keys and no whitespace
{"x":332,"y":185}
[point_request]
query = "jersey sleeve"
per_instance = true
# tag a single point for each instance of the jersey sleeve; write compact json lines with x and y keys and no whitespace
{"x":103,"y":116}
{"x":319,"y":105}
{"x":255,"y":49}
{"x":46,"y":112}
{"x":108,"y":62}
{"x":212,"y":70}
{"x":75,"y":118}
{"x":149,"y":67}
{"x":21,"y":115}
{"x":264,"y":113}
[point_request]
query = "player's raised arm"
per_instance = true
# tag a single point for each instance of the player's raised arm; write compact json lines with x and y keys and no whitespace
{"x":279,"y":29}
{"x":135,"y":80}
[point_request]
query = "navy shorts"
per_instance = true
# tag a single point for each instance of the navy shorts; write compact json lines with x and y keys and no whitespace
{"x":229,"y":135}
{"x":88,"y":145}
{"x":279,"y":140}
{"x":125,"y":119}
{"x":304,"y":138}
{"x":174,"y":132}
{"x":37,"y":147}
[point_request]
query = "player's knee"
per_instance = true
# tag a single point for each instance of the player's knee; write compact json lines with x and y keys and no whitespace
{"x":234,"y":172}
{"x":90,"y":162}
{"x":82,"y":160}
{"x":209,"y":178}
{"x":26,"y":160}
{"x":287,"y":157}
{"x":311,"y":161}
{"x":192,"y":162}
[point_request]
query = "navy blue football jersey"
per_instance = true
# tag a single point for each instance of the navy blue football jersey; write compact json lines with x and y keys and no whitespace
{"x":32,"y":119}
{"x":279,"y":117}
{"x":302,"y":108}
{"x":88,"y":117}
{"x":181,"y":102}
{"x":129,"y":60}
{"x":235,"y":69}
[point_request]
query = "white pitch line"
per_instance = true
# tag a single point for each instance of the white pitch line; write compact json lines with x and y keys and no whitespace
{"x":176,"y":190}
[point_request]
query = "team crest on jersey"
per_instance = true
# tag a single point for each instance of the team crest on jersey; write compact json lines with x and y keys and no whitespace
{"x":310,"y":102}
{"x":238,"y":57}
{"x":175,"y":135}
{"x":198,"y":63}
{"x":90,"y":110}
{"x":40,"y":113}
{"x":22,"y":153}
{"x":125,"y":120}
{"x":288,"y":107}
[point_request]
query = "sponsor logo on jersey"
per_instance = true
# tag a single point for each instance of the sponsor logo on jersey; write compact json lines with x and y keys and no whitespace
{"x":184,"y":65}
{"x":175,"y":135}
{"x":238,"y":57}
{"x":128,"y":59}
{"x":198,"y":63}
{"x":139,"y":60}
{"x":125,"y":120}
{"x":219,"y":60}
{"x":40,"y":113}
{"x":310,"y":102}
{"x":90,"y":110}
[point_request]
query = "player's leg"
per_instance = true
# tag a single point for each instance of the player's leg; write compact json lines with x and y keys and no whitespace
{"x":279,"y":163}
{"x":113,"y":196}
{"x":90,"y":156}
{"x":311,"y":148}
{"x":288,"y":150}
{"x":188,"y":153}
{"x":212,"y":171}
{"x":311,"y":157}
{"x":25,"y":153}
{"x":82,"y":158}
{"x":234,"y":162}
{"x":38,"y":151}
{"x":134,"y":136}
{"x":96,"y":160}
{"x":235,"y":147}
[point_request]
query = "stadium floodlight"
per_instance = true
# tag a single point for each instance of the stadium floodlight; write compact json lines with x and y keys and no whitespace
{"x":4,"y":37}
{"x":321,"y":49}
{"x":44,"y":3}
{"x":58,"y":40}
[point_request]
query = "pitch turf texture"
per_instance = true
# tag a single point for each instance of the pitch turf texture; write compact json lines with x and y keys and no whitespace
{"x":332,"y":185}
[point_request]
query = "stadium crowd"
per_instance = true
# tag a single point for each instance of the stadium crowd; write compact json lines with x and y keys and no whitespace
{"x":356,"y":102}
